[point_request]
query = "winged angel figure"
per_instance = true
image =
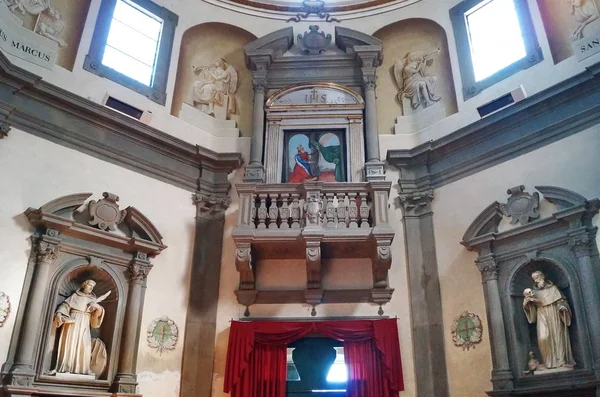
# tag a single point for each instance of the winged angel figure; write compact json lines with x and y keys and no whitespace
{"x":414,"y":81}
{"x":215,"y":83}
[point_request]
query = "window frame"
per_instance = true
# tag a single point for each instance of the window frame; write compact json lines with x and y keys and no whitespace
{"x":157,"y":92}
{"x":533,"y":56}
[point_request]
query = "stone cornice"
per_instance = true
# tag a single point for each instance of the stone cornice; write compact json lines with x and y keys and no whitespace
{"x":45,"y":110}
{"x":548,"y":116}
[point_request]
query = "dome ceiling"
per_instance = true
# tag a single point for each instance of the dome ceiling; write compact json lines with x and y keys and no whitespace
{"x":272,"y":8}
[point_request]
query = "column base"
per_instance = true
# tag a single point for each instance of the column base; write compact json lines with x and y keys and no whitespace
{"x":254,"y":173}
{"x":124,"y":383}
{"x":20,"y":375}
{"x":375,"y":171}
{"x":502,"y":380}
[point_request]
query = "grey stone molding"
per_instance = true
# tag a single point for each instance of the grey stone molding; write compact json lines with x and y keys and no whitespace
{"x":425,"y":296}
{"x":47,"y":111}
{"x":66,"y":247}
{"x":546,"y":117}
{"x":201,"y":317}
{"x":562,"y":245}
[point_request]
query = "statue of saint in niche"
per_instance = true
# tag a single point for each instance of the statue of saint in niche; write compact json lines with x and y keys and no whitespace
{"x":414,"y":81}
{"x":584,"y":12}
{"x":215,"y":89}
{"x":547,"y":307}
{"x":75,"y":315}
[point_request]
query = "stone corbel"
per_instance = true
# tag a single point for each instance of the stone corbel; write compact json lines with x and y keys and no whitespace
{"x":4,"y":129}
{"x":382,"y":262}
{"x":313,"y":264}
{"x":243,"y":264}
{"x":416,"y":203}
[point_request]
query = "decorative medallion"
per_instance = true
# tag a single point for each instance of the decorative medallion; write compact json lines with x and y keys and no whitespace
{"x":162,"y":334}
{"x":314,"y":42}
{"x":313,"y":7}
{"x":521,"y":206}
{"x":4,"y":307}
{"x":467,"y":330}
{"x":105,"y":213}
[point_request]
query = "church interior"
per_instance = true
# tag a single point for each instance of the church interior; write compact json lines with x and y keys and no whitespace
{"x":294,"y":198}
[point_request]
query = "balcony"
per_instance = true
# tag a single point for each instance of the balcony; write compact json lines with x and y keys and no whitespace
{"x":313,"y":221}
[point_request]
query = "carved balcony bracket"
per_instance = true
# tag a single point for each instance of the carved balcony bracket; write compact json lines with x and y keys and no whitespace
{"x":313,"y":264}
{"x":382,"y":262}
{"x":243,"y":264}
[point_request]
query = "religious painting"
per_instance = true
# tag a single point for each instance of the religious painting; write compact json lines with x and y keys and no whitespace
{"x":314,"y":156}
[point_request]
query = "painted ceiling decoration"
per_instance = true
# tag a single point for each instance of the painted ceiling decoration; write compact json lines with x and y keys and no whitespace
{"x":316,"y":9}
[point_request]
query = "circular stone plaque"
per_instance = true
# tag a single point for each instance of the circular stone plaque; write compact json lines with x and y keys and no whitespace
{"x":4,"y":307}
{"x":466,"y":330}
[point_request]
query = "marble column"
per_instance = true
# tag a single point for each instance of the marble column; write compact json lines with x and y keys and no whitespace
{"x":125,"y":380}
{"x":255,"y":171}
{"x":581,"y":245}
{"x":425,"y":296}
{"x":501,"y":375}
{"x":22,"y":372}
{"x":201,"y":318}
{"x":374,"y":167}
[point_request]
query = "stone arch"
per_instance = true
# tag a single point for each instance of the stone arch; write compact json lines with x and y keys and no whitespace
{"x":399,"y":38}
{"x":202,"y":43}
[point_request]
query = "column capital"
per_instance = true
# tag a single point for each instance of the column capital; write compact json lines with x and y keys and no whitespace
{"x":580,"y":245}
{"x":138,"y":271}
{"x":259,"y":85}
{"x":369,"y":82}
{"x":47,"y":251}
{"x":488,"y":267}
{"x":210,"y":206}
{"x":417,"y":202}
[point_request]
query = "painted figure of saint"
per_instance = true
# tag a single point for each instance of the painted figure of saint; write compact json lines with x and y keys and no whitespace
{"x":76,"y":315}
{"x":547,"y":307}
{"x":216,"y":81}
{"x":414,"y":79}
{"x":301,"y":171}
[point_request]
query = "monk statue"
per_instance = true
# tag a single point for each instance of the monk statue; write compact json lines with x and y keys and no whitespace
{"x":75,"y":315}
{"x":547,"y":307}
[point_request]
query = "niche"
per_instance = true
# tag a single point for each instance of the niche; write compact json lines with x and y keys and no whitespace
{"x":103,"y":338}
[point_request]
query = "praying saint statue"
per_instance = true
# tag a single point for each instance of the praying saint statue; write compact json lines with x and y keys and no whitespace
{"x":76,"y":314}
{"x":414,"y":81}
{"x":216,"y":87}
{"x":584,"y":12}
{"x":547,"y":307}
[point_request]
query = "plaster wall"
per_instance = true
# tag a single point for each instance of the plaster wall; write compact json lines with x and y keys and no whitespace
{"x":569,"y":163}
{"x":229,"y":309}
{"x":37,"y":171}
{"x":192,"y":13}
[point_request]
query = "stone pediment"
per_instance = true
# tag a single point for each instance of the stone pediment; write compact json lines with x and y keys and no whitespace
{"x":319,"y":94}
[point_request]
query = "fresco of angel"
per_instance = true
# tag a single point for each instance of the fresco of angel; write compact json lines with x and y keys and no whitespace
{"x":414,"y":81}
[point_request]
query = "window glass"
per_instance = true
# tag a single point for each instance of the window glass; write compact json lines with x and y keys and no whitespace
{"x":338,"y":373}
{"x":495,"y":37}
{"x":132,"y":43}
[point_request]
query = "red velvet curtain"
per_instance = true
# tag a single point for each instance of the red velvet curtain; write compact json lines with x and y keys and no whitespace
{"x":256,"y":356}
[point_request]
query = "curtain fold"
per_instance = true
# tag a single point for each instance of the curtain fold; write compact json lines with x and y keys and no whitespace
{"x":256,"y":356}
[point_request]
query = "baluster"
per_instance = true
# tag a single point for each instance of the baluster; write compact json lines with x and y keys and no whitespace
{"x":295,"y":211}
{"x":352,"y":210}
{"x":284,"y":212}
{"x":342,"y":210}
{"x":330,"y":210}
{"x":364,"y":211}
{"x":262,"y":212}
{"x":273,"y":211}
{"x":253,"y":211}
